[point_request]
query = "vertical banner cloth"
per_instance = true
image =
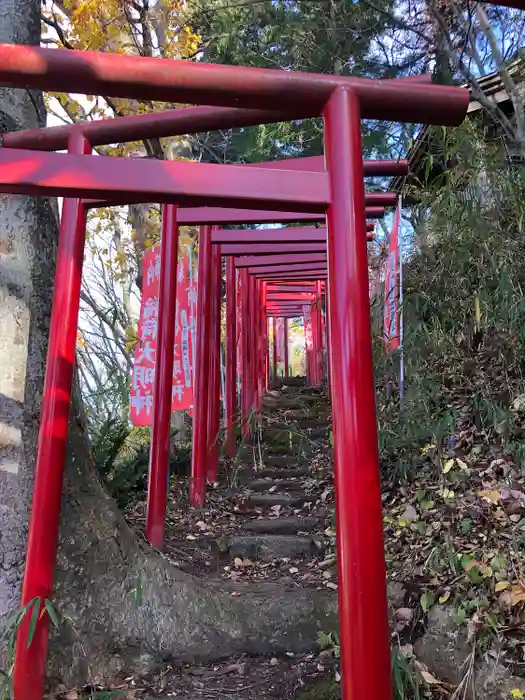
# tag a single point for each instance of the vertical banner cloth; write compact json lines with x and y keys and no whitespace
{"x":143,"y":377}
{"x":391,"y":328}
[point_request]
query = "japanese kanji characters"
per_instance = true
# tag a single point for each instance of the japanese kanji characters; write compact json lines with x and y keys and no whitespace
{"x":143,"y":376}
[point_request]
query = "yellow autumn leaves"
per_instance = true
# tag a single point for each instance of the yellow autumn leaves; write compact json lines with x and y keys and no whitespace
{"x":96,"y":25}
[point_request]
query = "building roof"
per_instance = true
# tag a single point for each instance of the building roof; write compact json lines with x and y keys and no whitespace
{"x":492,"y":85}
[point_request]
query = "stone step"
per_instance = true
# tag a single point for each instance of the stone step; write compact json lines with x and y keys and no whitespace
{"x":247,"y":476}
{"x":281,"y":526}
{"x":278,"y":453}
{"x":294,"y":416}
{"x":296,"y":428}
{"x":295,"y":432}
{"x":267,"y":500}
{"x":288,"y":381}
{"x":300,"y":449}
{"x":269,"y":547}
{"x":279,"y":484}
{"x":306,"y":398}
{"x":273,"y":403}
{"x":313,"y":422}
{"x":291,"y":438}
{"x":285,"y":461}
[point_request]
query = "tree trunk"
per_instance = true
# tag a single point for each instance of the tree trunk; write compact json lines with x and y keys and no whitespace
{"x":102,"y":564}
{"x":27,"y":240}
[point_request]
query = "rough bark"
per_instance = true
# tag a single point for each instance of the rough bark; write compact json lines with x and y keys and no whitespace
{"x":101,"y":565}
{"x":101,"y":562}
{"x":25,"y":275}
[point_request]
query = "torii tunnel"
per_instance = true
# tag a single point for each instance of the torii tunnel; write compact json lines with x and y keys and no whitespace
{"x":331,"y":260}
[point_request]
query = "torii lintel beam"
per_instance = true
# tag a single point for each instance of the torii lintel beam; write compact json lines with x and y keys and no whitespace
{"x":226,"y":217}
{"x":59,"y":174}
{"x":372,"y":199}
{"x":292,"y":275}
{"x":176,"y":122}
{"x":294,"y":288}
{"x":184,"y":82}
{"x":273,"y":236}
{"x":264,"y":260}
{"x":290,"y":296}
{"x":290,"y":303}
{"x":233,"y":249}
{"x":291,"y":267}
{"x":310,"y":285}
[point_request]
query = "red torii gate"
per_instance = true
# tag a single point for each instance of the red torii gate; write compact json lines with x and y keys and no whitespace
{"x":298,"y":239}
{"x":343,"y":102}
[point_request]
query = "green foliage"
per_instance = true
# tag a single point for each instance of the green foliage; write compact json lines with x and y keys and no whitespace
{"x":324,"y":690}
{"x":329,"y":640}
{"x":464,"y":308}
{"x":8,"y":637}
{"x":405,"y":679}
{"x":335,"y":37}
{"x":121,"y":456}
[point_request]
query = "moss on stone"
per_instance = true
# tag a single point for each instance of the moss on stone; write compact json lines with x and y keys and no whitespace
{"x":325,"y":690}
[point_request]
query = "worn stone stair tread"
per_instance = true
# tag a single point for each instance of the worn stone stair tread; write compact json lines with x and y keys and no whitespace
{"x":290,"y":525}
{"x":296,"y":415}
{"x":275,"y":473}
{"x":270,"y":547}
{"x":313,"y":423}
{"x":280,"y":460}
{"x":297,"y":432}
{"x":248,"y":453}
{"x":275,"y":404}
{"x":289,"y":381}
{"x":302,"y":423}
{"x":266,"y":484}
{"x":278,"y":499}
{"x":284,"y":450}
{"x":282,"y":399}
{"x":276,"y":461}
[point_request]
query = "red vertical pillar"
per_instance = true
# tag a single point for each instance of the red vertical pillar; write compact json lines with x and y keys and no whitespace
{"x":231,"y":358}
{"x":286,"y":365}
{"x":306,"y":353}
{"x":253,"y":355}
{"x":214,"y":386}
{"x":328,"y":344}
{"x":319,"y":332}
{"x":197,"y":491}
{"x":364,"y":633}
{"x":245,"y":344}
{"x":257,"y":343}
{"x":30,"y":661}
{"x":261,"y":345}
{"x":158,"y":477}
{"x":274,"y":348}
{"x":313,"y":353}
{"x":323,"y":331}
{"x":267,"y":353}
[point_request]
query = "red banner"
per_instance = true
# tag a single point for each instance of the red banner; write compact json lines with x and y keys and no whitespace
{"x":391,"y":328}
{"x":143,"y":377}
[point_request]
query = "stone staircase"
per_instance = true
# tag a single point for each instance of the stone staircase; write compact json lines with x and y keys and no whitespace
{"x":269,"y":520}
{"x":278,"y":478}
{"x":275,"y":501}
